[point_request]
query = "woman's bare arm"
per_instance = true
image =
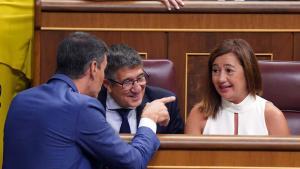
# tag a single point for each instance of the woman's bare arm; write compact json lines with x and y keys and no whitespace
{"x":275,"y":120}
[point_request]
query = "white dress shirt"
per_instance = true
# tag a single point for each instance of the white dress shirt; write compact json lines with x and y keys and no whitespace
{"x":251,"y":118}
{"x":115,"y":120}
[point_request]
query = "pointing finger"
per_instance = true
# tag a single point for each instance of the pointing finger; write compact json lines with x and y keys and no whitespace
{"x":167,"y":99}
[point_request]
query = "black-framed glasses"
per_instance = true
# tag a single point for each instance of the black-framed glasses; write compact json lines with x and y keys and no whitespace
{"x":129,"y":83}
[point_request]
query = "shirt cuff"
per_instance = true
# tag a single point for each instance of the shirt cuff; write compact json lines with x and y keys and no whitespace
{"x":146,"y":122}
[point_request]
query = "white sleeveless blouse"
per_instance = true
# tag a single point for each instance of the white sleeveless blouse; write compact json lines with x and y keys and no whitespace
{"x":251,"y":118}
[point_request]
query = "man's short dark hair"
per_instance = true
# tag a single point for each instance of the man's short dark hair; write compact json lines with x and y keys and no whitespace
{"x":76,"y":52}
{"x":119,"y":56}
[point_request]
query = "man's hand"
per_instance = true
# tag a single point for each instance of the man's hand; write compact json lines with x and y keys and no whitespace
{"x":173,"y":3}
{"x":157,"y":111}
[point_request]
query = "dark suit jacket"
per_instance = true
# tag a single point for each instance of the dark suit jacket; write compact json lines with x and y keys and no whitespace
{"x":175,"y":125}
{"x":54,"y":126}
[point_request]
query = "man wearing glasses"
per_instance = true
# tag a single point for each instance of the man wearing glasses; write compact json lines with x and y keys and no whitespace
{"x":61,"y":124}
{"x":125,"y":93}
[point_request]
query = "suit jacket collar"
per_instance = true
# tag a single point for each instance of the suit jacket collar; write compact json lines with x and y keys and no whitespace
{"x":102,"y":96}
{"x":66,"y":79}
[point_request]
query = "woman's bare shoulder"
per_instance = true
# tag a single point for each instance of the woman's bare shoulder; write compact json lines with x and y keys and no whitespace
{"x":196,"y":121}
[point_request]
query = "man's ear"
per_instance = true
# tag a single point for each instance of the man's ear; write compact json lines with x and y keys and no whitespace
{"x":93,"y":69}
{"x":107,"y":84}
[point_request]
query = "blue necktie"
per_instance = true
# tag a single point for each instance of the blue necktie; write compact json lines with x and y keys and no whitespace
{"x":125,"y":128}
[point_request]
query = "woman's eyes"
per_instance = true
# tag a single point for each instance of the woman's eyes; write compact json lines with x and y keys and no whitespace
{"x":229,"y":71}
{"x":215,"y":70}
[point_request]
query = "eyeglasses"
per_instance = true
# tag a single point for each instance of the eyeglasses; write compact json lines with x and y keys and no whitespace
{"x":129,"y":83}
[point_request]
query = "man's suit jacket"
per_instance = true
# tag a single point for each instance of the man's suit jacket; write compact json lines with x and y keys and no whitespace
{"x":54,"y":126}
{"x":175,"y":125}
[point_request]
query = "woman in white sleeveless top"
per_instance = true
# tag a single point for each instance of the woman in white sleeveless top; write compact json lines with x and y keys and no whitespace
{"x":230,"y":105}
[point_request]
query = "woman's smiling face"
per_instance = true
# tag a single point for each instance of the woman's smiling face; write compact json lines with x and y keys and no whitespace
{"x":229,"y":79}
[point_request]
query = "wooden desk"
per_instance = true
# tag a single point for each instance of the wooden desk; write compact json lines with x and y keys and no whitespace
{"x":185,"y":36}
{"x":208,"y":152}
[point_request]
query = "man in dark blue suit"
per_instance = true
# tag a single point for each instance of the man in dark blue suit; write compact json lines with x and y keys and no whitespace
{"x":125,"y":87}
{"x":62,"y":125}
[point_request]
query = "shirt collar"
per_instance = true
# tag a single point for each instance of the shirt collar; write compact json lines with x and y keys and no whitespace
{"x":240,"y":107}
{"x":111,"y":104}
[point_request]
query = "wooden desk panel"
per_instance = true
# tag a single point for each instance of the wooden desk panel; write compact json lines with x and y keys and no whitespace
{"x":198,"y":152}
{"x":223,"y":159}
{"x":170,"y":22}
